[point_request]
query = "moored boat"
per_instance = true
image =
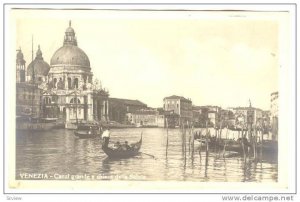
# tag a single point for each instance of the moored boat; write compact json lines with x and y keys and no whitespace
{"x":88,"y":130}
{"x":35,"y":124}
{"x":123,"y":151}
{"x":267,"y":147}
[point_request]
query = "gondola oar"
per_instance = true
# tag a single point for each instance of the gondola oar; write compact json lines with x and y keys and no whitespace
{"x":148,"y":155}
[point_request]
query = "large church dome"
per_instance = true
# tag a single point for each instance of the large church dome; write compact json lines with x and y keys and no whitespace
{"x":70,"y":54}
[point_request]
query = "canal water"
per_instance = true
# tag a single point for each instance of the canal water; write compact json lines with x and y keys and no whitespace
{"x":59,"y":155}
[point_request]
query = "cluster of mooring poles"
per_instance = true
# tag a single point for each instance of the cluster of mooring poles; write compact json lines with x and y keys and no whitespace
{"x":249,"y":143}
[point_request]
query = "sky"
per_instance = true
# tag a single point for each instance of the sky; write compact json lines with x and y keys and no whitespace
{"x":213,"y":58}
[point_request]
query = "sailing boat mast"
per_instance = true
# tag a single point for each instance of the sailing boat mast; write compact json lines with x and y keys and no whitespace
{"x":31,"y":48}
{"x":32,"y":77}
{"x":76,"y":107}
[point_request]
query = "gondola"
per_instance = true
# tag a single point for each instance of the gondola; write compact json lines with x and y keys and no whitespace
{"x":118,"y":153}
{"x":88,"y":131}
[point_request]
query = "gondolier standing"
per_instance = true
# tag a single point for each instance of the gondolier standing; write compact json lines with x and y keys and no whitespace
{"x":106,"y":133}
{"x":106,"y":136}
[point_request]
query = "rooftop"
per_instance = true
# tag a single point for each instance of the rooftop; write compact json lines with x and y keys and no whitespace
{"x":177,"y":97}
{"x":128,"y":102}
{"x":246,"y":108}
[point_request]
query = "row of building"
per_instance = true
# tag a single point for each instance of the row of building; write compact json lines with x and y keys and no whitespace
{"x":65,"y":89}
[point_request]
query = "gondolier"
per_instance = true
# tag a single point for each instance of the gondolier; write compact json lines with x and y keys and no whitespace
{"x":106,"y":133}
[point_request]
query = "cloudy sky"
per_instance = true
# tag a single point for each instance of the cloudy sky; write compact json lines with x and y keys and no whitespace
{"x":214,"y":58}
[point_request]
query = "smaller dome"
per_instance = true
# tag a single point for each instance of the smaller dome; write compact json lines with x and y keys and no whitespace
{"x":38,"y":66}
{"x":70,"y":29}
{"x":20,"y":55}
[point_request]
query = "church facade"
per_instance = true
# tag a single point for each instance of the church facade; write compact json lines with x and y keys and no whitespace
{"x":68,"y":89}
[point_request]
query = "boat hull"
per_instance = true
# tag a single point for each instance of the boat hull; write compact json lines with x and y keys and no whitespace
{"x":121,"y":153}
{"x":35,"y":126}
{"x":84,"y":135}
{"x":268,"y":147}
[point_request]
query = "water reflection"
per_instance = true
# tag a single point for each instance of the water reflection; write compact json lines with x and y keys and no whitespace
{"x":58,"y":151}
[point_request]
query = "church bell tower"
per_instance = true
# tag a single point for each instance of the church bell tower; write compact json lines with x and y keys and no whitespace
{"x":20,"y":66}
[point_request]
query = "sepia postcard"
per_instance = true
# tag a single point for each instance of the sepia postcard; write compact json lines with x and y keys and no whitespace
{"x":149,"y":99}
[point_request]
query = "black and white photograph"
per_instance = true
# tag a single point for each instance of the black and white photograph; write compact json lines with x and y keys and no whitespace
{"x":139,"y":100}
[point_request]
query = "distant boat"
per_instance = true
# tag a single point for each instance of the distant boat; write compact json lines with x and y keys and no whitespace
{"x":268,"y":146}
{"x":121,"y":152}
{"x":35,"y":124}
{"x":88,"y":130}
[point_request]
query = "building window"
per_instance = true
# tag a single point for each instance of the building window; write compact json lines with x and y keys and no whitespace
{"x":69,"y":83}
{"x":54,"y":82}
{"x":76,"y":83}
{"x":73,"y":101}
{"x":47,"y":100}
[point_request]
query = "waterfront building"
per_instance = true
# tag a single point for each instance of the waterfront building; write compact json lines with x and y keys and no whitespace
{"x":144,"y":117}
{"x":213,"y":115}
{"x":208,"y":114}
{"x":274,"y":115}
{"x":196,"y":115}
{"x":172,"y":119}
{"x":203,"y":117}
{"x":180,"y":106}
{"x":28,"y":98}
{"x":266,"y":121}
{"x":246,"y":115}
{"x":118,"y":108}
{"x":274,"y":104}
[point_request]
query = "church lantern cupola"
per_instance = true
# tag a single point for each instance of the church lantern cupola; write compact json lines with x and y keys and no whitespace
{"x":70,"y":38}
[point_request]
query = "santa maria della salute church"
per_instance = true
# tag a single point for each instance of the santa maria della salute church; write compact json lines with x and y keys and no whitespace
{"x":65,"y":89}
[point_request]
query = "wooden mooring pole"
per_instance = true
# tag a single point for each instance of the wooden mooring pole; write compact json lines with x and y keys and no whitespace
{"x":206,"y":141}
{"x":243,"y":146}
{"x":184,"y":147}
{"x":167,"y":145}
{"x":255,"y":143}
{"x":261,"y":144}
{"x":193,"y":139}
